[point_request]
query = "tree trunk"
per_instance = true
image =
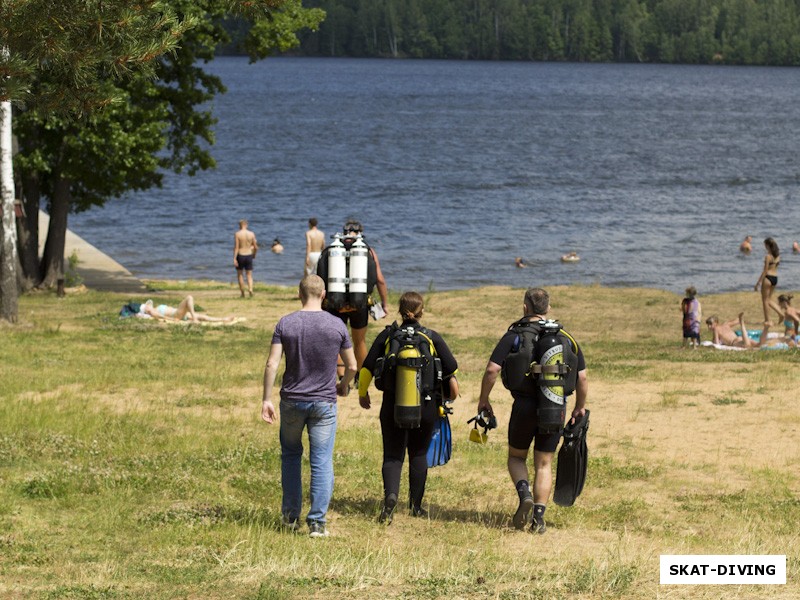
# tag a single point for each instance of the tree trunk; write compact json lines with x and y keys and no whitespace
{"x":53,"y":255}
{"x":9,"y":293}
{"x":28,"y":234}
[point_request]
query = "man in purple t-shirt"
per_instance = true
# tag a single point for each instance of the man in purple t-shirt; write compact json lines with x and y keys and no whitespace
{"x":312,"y":340}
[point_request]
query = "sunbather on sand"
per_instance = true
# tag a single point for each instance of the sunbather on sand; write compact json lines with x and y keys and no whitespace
{"x":183,"y":312}
{"x":791,"y":318}
{"x":723,"y":333}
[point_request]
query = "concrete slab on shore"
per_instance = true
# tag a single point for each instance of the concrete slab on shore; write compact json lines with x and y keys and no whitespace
{"x":98,"y":270}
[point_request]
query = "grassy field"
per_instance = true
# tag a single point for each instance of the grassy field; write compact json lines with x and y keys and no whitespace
{"x":133,"y":463}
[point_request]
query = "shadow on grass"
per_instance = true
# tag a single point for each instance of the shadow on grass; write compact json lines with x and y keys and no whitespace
{"x":370,"y":508}
{"x":208,"y":514}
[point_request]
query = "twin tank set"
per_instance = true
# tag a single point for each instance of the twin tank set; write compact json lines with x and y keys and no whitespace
{"x":348,"y":272}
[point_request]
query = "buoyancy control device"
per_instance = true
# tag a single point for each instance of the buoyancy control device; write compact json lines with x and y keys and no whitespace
{"x":410,"y":369}
{"x":542,"y":364}
{"x":349,"y":271}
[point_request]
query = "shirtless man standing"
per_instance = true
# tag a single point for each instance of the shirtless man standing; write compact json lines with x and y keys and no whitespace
{"x":244,"y":251}
{"x":315,"y":242}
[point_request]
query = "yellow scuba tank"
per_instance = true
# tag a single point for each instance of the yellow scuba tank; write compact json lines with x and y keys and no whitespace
{"x":408,"y":401}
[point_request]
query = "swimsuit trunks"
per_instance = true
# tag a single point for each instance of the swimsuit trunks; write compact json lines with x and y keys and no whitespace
{"x":245,"y":262}
{"x":313,"y":258}
{"x":358,"y":318}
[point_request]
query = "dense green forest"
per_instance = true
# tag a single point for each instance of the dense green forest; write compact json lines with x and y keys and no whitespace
{"x":742,"y":32}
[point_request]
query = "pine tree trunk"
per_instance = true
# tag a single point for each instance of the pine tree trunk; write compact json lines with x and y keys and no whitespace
{"x":53,"y":255}
{"x":9,"y":293}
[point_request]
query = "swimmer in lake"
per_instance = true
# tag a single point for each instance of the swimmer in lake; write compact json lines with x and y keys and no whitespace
{"x":520,"y":263}
{"x":570,"y":257}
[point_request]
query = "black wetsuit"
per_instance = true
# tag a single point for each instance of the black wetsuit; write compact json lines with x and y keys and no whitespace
{"x":395,"y":440}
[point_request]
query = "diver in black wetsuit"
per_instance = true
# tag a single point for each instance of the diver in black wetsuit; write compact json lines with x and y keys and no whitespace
{"x":397,"y":440}
{"x":523,"y":426}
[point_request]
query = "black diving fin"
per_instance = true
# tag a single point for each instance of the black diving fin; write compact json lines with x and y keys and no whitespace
{"x":572,"y":461}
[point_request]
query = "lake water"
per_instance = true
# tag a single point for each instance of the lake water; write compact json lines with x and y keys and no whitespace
{"x":652,"y":173}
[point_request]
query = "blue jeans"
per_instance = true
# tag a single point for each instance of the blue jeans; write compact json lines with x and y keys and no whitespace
{"x":320,"y":418}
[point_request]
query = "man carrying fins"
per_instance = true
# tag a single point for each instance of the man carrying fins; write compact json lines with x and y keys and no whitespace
{"x":541,"y":365}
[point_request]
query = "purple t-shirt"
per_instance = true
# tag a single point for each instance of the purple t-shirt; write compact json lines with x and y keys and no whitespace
{"x":311,"y":341}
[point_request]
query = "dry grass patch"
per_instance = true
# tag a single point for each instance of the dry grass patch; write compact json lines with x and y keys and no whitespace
{"x":134,"y":463}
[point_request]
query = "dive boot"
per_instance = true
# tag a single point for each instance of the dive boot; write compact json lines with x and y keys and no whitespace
{"x":521,"y":516}
{"x":387,"y":512}
{"x":537,"y":520}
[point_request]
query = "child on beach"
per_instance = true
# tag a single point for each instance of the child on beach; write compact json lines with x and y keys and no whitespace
{"x":692,"y":315}
{"x":791,"y":318}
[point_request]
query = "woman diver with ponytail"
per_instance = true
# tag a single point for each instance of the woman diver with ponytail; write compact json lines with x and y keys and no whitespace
{"x":401,"y":434}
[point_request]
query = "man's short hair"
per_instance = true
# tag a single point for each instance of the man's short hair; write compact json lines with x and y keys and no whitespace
{"x":537,"y":300}
{"x":243,"y":222}
{"x":353,"y":226}
{"x":311,"y":286}
{"x":312,"y":222}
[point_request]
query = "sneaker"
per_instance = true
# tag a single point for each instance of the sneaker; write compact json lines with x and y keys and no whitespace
{"x":418,"y":511}
{"x":290,"y":523}
{"x":317,"y":529}
{"x":387,"y":512}
{"x":537,"y":524}
{"x":521,"y":516}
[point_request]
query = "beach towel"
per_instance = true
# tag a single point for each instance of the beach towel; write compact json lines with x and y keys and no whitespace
{"x":721,"y":346}
{"x":235,"y":321}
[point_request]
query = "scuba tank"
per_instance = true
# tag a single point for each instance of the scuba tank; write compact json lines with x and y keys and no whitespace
{"x":336,"y":292}
{"x":357,"y":277}
{"x":408,"y":374}
{"x":549,"y":393}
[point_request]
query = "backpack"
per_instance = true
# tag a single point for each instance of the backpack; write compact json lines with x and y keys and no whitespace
{"x":130,"y":309}
{"x":429,"y":365}
{"x":517,"y":372}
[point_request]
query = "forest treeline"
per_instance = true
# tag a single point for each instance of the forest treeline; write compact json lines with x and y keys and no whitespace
{"x":741,"y":32}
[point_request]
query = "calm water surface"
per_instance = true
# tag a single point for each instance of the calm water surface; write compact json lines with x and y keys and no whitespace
{"x":652,"y":173}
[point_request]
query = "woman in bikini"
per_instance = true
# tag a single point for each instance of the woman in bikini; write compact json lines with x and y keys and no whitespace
{"x":769,"y":279}
{"x":791,"y":318}
{"x":183,"y":312}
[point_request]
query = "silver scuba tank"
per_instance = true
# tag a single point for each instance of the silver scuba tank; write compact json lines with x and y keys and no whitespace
{"x":358,"y":271}
{"x":336,"y":288}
